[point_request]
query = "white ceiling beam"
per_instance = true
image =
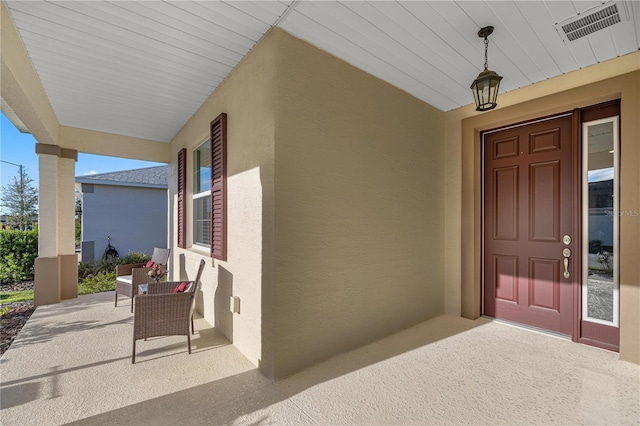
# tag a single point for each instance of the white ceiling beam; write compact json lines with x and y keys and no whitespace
{"x":20,"y":86}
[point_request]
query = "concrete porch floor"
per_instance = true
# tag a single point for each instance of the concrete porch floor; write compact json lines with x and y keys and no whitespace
{"x":72,"y":363}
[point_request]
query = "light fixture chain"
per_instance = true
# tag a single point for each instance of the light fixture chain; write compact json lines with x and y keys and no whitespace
{"x":486,"y":56}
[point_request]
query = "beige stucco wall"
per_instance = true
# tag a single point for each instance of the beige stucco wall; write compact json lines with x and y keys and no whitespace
{"x":335,"y":196}
{"x":359,"y":208}
{"x":617,"y":78}
{"x":247,"y":96}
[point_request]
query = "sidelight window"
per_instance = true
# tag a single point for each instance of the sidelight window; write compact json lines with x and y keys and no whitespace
{"x":601,"y":215}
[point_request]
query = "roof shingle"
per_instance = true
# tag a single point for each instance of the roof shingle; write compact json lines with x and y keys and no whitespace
{"x":149,"y":176}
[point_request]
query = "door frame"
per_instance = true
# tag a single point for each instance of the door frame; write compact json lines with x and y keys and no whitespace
{"x":587,"y":114}
{"x":579,"y":116}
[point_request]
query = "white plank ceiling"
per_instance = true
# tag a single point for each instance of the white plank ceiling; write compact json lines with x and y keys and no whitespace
{"x":142,"y":68}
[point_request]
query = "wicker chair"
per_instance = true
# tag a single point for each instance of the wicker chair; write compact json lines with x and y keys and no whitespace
{"x":161,"y":312}
{"x":131,"y":275}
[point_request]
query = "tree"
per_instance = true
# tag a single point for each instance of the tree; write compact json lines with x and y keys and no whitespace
{"x":20,"y":200}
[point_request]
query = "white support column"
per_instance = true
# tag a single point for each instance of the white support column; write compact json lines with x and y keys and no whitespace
{"x":56,"y":268}
{"x":66,"y":206}
{"x":47,"y":205}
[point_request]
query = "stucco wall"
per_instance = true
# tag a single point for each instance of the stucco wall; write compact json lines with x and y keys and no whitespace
{"x":135,"y":218}
{"x":247,"y":97}
{"x":613,"y":79}
{"x":359,"y":208}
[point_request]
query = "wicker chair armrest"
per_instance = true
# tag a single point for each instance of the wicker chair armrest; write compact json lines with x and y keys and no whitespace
{"x":162,"y":287}
{"x":141,"y":275}
{"x":127,"y":268}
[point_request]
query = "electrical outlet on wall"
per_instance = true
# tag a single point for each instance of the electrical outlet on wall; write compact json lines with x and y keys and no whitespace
{"x":234,"y":304}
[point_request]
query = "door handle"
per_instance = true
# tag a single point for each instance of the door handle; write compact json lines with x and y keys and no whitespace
{"x":567,"y":254}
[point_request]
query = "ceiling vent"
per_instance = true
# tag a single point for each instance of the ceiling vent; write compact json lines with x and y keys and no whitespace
{"x":592,"y":20}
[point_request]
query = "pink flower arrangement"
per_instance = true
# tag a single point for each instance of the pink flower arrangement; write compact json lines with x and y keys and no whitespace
{"x":156,"y":272}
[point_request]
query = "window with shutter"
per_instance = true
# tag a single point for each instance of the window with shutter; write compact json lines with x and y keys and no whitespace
{"x":182,"y":190}
{"x":219,"y":187}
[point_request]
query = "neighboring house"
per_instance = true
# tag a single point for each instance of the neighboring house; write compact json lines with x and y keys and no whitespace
{"x":129,"y":206}
{"x":601,"y":215}
{"x":345,"y":208}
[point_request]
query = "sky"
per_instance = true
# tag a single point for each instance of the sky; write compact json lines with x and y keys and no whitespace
{"x":19,"y":148}
{"x":600,"y":174}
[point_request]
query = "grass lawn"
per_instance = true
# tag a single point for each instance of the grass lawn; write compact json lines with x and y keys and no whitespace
{"x":16,"y":296}
{"x":12,"y":297}
{"x":102,"y":281}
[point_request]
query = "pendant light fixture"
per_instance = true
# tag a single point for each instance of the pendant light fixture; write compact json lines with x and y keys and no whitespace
{"x":485,"y":87}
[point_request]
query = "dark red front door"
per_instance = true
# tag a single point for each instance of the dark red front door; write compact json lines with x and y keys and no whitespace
{"x":528,"y":209}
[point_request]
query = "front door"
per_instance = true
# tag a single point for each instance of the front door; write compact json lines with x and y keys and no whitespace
{"x":529,"y":213}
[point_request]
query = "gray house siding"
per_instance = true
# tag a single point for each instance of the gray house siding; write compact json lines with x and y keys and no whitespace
{"x":134,"y":218}
{"x":128,"y":206}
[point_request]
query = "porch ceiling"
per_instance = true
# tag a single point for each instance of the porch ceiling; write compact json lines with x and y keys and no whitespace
{"x":142,"y":68}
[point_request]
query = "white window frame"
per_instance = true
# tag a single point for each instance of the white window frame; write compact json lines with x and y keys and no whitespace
{"x":585,"y":221}
{"x":200,"y":195}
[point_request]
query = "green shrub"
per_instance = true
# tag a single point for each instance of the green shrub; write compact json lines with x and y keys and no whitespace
{"x":134,"y":257}
{"x":100,"y":275}
{"x":18,"y":251}
{"x":86,"y":269}
{"x":102,"y":281}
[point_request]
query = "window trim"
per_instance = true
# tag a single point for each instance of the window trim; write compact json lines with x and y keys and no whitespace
{"x":198,"y":195}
